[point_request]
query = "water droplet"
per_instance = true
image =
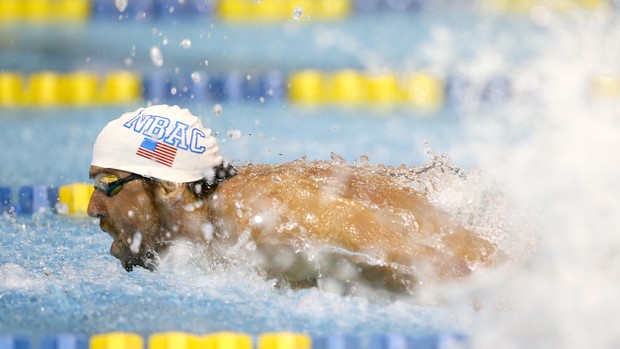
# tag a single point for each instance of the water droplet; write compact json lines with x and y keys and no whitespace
{"x":207,"y":231}
{"x":173,"y":91}
{"x":128,"y":61}
{"x":186,"y":43}
{"x":258,"y":219}
{"x":234,"y":134}
{"x":248,"y":77}
{"x":206,"y":62}
{"x":217,"y":109}
{"x":136,"y":242}
{"x":298,"y":12}
{"x":209,"y":175}
{"x":337,"y":159}
{"x":261,"y":99}
{"x":121,"y":5}
{"x":196,"y":77}
{"x":157,"y":57}
{"x":362,"y":161}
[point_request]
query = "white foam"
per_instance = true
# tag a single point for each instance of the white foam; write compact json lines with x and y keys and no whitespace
{"x":16,"y":277}
{"x":557,"y":160}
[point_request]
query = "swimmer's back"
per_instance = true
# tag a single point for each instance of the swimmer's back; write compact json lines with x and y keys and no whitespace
{"x":360,"y":211}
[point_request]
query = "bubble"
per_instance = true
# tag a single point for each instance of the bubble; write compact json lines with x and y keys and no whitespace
{"x":121,"y":5}
{"x":157,"y":57}
{"x":298,"y":12}
{"x":206,"y":62}
{"x":186,"y":43}
{"x":217,"y":109}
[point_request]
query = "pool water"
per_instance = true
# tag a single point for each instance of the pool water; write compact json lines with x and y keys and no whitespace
{"x":58,"y":267}
{"x":548,"y":156}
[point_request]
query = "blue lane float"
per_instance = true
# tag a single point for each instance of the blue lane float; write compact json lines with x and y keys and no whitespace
{"x":337,"y":341}
{"x":374,"y":6}
{"x":30,"y":199}
{"x":273,"y":86}
{"x":156,"y":87}
{"x":458,"y":90}
{"x":231,"y":87}
{"x":175,"y":9}
{"x":389,"y":341}
{"x":497,"y":90}
{"x":430,"y":341}
{"x":64,"y":341}
{"x":5,"y":199}
{"x":135,"y":10}
{"x":14,"y":342}
{"x":34,"y":199}
{"x":198,"y":85}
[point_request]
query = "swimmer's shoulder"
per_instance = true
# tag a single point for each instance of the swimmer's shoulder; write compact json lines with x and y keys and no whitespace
{"x":273,"y":179}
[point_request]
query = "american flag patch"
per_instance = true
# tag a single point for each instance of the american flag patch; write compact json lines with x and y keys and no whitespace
{"x":157,"y":151}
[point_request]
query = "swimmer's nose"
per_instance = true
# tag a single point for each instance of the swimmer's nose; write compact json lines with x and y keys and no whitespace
{"x":96,"y":207}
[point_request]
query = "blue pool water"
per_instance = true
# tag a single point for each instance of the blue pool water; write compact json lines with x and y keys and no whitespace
{"x":551,"y":153}
{"x":57,"y":276}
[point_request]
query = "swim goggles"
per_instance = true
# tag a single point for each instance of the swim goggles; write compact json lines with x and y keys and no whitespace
{"x":111,"y":184}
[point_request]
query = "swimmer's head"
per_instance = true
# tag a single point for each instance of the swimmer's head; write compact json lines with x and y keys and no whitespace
{"x":148,"y":167}
{"x":161,"y":141}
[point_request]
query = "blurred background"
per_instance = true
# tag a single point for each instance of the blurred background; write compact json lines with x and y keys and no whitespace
{"x":521,"y":94}
{"x":381,"y":78}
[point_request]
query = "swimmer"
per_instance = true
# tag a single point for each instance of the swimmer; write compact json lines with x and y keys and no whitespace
{"x":159,"y":178}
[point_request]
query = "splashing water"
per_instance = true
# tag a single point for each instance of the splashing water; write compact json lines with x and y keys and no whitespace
{"x":234,"y":134}
{"x":546,"y":191}
{"x":217,"y":109}
{"x":196,"y":77}
{"x":156,"y":56}
{"x":121,"y":5}
{"x":186,"y":43}
{"x":556,"y":161}
{"x":298,"y":12}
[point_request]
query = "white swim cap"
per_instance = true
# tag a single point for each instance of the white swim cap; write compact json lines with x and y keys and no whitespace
{"x":163,"y":142}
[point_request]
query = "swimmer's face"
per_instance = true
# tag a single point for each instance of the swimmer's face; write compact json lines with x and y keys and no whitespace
{"x":130,"y":216}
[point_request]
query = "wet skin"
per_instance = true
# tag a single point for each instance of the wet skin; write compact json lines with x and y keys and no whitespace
{"x":130,"y":214}
{"x":389,"y":228}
